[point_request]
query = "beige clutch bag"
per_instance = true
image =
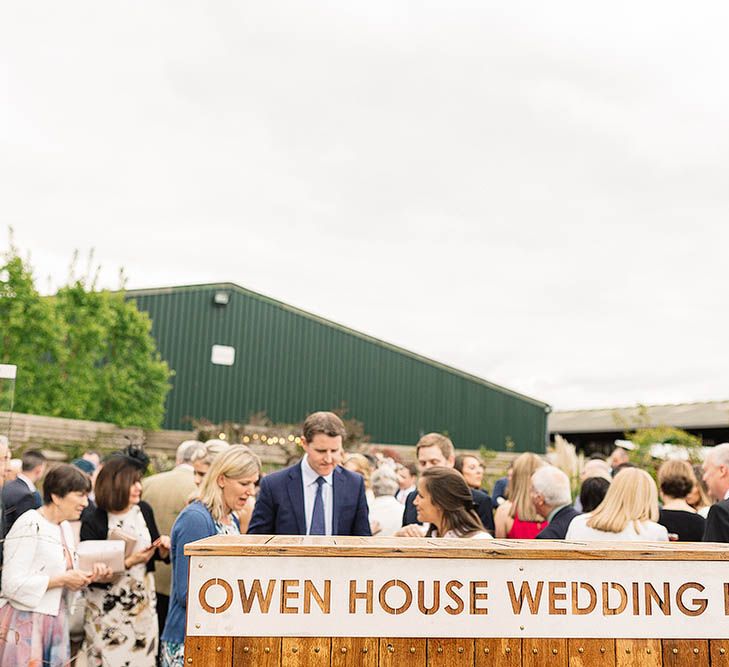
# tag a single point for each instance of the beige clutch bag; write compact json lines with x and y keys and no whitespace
{"x":109,"y":552}
{"x":130,"y":542}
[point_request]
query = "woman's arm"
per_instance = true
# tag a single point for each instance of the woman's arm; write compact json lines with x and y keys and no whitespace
{"x":190,"y":526}
{"x":502,"y":521}
{"x":18,"y":582}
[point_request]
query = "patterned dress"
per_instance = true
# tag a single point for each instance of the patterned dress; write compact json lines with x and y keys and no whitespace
{"x":172,"y":653}
{"x":121,"y":620}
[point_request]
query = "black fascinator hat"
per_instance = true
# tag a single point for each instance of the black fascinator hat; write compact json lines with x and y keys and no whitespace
{"x":135,"y":455}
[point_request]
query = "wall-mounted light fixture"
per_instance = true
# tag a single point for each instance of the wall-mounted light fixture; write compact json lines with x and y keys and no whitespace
{"x":221,"y":298}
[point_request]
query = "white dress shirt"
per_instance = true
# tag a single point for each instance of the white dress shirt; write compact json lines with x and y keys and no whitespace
{"x":649,"y":532}
{"x":28,"y":482}
{"x":308,"y":478}
{"x":403,"y":494}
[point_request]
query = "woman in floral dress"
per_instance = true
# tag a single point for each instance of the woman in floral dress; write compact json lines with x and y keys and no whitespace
{"x":120,"y":623}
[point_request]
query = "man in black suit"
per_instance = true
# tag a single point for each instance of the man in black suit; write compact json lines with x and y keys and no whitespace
{"x":552,"y":498}
{"x":433,"y":450}
{"x":716,"y":476}
{"x":21,"y":495}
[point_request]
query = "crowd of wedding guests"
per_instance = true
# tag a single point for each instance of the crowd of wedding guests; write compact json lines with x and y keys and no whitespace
{"x":63,"y":597}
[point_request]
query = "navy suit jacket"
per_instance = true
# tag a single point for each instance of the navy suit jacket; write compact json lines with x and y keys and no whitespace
{"x":18,"y":499}
{"x":557,"y":527}
{"x":279,"y":508}
{"x":717,"y":523}
{"x":481,"y":500}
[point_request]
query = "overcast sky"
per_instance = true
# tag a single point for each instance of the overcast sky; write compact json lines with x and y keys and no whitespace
{"x":536,"y":193}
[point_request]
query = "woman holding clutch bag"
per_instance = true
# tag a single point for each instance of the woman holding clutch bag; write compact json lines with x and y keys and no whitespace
{"x":40,"y":575}
{"x":120,"y":625}
{"x":228,"y":485}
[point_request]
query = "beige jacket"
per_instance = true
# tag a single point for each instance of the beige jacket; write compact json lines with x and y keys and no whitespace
{"x":167,"y":493}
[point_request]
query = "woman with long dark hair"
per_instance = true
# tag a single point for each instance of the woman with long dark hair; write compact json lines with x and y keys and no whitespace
{"x":444,"y":501}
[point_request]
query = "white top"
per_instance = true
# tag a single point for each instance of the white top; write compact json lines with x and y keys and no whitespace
{"x":650,"y":531}
{"x":33,"y":553}
{"x":387,"y":511}
{"x":308,"y":478}
{"x":481,"y":535}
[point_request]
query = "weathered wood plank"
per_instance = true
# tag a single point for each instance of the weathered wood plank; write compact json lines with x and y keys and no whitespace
{"x":257,"y":651}
{"x":719,"y":652}
{"x":638,"y":653}
{"x":447,"y":652}
{"x":591,"y":652}
{"x":209,"y":651}
{"x":305,"y":651}
{"x":685,"y":653}
{"x":544,"y":653}
{"x":397,"y":652}
{"x":355,"y":652}
{"x":498,"y":653}
{"x":393,"y":547}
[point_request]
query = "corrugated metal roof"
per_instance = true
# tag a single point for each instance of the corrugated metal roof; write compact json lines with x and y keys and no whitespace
{"x":329,"y":323}
{"x":714,"y":414}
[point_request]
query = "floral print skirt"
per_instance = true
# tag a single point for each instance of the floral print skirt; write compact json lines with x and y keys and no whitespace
{"x":34,"y":639}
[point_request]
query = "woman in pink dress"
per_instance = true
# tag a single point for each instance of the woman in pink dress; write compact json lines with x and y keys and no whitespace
{"x":516,"y":518}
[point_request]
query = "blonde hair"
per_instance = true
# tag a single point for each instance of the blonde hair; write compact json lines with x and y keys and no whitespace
{"x":519,"y":487}
{"x":236,"y":462}
{"x":436,"y":440}
{"x":206,"y":453}
{"x":361,"y":465}
{"x":632,"y":496}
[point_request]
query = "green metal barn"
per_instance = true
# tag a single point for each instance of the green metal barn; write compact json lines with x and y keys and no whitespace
{"x":236,"y":353}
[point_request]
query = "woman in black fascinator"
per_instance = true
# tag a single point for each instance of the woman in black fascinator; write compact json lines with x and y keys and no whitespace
{"x":120,"y":623}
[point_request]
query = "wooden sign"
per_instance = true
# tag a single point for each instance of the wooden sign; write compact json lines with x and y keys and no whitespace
{"x":479,"y":594}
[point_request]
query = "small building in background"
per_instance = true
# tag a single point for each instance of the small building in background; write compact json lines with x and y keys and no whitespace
{"x":597,"y":430}
{"x":236,"y":353}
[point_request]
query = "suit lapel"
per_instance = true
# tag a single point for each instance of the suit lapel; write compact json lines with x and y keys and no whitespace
{"x":296,"y":496}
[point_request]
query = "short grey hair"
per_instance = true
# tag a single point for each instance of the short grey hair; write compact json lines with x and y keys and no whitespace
{"x":384,"y":482}
{"x":719,"y":455}
{"x":553,"y":485}
{"x":186,"y":450}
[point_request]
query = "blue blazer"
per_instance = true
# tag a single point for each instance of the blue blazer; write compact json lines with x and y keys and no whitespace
{"x":279,"y":506}
{"x":194,"y":523}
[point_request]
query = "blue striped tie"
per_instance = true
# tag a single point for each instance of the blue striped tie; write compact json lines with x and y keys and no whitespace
{"x":318,"y":527}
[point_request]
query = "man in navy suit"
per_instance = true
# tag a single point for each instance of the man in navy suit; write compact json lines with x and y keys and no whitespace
{"x":432,"y":450}
{"x":316,"y":496}
{"x":20,"y":495}
{"x":552,"y":498}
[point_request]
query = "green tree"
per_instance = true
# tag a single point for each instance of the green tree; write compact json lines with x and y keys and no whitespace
{"x":81,"y":354}
{"x":31,"y":338}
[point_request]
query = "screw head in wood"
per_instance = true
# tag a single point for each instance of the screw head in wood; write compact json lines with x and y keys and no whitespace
{"x":507,"y":649}
{"x":722,"y":651}
{"x":440,"y":649}
{"x":218,"y":649}
{"x":602,"y":649}
{"x":580,"y":650}
{"x":627,"y":650}
{"x":344,"y":649}
{"x":294,"y":649}
{"x":316,"y":649}
{"x":554,"y":651}
{"x":365,"y":649}
{"x":267,"y":649}
{"x":696,"y":650}
{"x":535,"y":651}
{"x":246,"y":649}
{"x":648,"y":651}
{"x":189,"y":661}
{"x":674,"y":651}
{"x":486,"y":651}
{"x":412,"y":649}
{"x":460,"y":649}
